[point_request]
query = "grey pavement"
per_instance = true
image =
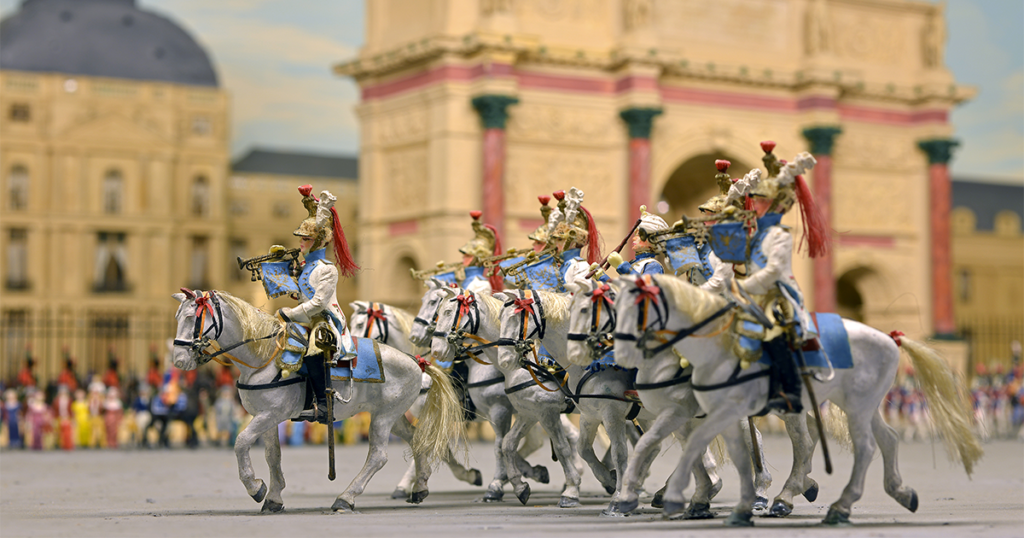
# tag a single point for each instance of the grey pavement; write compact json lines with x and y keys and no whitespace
{"x":197,"y":493}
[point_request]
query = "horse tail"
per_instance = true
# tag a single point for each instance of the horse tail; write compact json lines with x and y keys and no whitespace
{"x":440,"y":421}
{"x":947,"y":403}
{"x":836,"y":426}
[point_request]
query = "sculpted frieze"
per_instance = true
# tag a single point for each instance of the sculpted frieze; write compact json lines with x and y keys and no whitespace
{"x":735,"y":22}
{"x":543,"y":123}
{"x":869,"y":202}
{"x":403,"y":127}
{"x":405,"y":174}
{"x":873,"y":39}
{"x":871,"y":151}
{"x":530,"y":172}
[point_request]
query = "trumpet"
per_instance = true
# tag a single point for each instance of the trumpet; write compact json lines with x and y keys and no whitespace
{"x":277,"y":254}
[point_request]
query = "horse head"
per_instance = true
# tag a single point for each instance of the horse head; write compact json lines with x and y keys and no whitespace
{"x":591,"y":321}
{"x":426,"y":319}
{"x":447,"y":322}
{"x":184,"y":353}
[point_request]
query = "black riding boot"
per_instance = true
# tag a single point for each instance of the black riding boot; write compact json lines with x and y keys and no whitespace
{"x":317,"y":376}
{"x":786,"y":400}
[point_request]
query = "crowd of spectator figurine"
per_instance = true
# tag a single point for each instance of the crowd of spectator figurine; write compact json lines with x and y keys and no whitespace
{"x":167,"y":407}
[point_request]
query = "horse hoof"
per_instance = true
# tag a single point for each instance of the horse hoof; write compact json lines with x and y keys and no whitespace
{"x":523,"y":494}
{"x":341,"y":505}
{"x":610,"y":490}
{"x":659,"y":499}
{"x":673,"y":510}
{"x":493,"y":496}
{"x":417,"y":497}
{"x":740,"y":519}
{"x":620,"y":508}
{"x":542,"y":474}
{"x":261,"y":493}
{"x":568,"y":502}
{"x":478,"y":479}
{"x":760,"y":504}
{"x":271,"y":507}
{"x":780,"y":509}
{"x":699,"y":511}
{"x":399,"y":493}
{"x":835,"y":517}
{"x":715,"y":488}
{"x":912,"y":503}
{"x":812,"y":492}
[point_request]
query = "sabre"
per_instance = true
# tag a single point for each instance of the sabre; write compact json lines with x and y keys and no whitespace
{"x":327,"y":342}
{"x":604,"y":262}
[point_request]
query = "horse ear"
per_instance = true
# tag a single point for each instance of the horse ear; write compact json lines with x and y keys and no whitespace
{"x":188,"y":293}
{"x":180,"y":297}
{"x":358,"y":306}
{"x":449,"y":292}
{"x":576,"y":287}
{"x":618,"y":284}
{"x":502,"y":295}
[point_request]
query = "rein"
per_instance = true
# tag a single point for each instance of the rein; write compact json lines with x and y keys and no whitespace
{"x":208,"y":302}
{"x":469,"y":308}
{"x":599,"y":338}
{"x":375,"y":316}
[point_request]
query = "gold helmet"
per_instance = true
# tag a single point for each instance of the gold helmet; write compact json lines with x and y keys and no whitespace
{"x":717,"y":203}
{"x":573,"y":229}
{"x":317,"y":227}
{"x":541,"y":233}
{"x":485,"y":240}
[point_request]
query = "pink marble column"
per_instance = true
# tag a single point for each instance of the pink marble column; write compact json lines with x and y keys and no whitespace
{"x":940,"y":194}
{"x":822,"y":140}
{"x":494,"y":178}
{"x":639,"y":176}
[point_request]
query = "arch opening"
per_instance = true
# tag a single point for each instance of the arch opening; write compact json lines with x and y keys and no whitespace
{"x":691,"y":184}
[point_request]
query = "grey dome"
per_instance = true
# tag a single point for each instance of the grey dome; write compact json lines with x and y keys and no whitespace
{"x":102,"y":38}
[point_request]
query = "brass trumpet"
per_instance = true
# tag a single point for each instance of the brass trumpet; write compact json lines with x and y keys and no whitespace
{"x":277,"y":254}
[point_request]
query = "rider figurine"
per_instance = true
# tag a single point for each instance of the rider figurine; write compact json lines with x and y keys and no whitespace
{"x":645,"y":261}
{"x":770,"y":267}
{"x":321,"y":239}
{"x":540,"y":236}
{"x":485,"y":243}
{"x":571,"y":227}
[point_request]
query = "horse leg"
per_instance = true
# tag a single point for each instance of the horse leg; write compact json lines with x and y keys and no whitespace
{"x":500,"y":418}
{"x":508,"y":449}
{"x":696,"y":443}
{"x":797,"y":483}
{"x":743,"y":512}
{"x":618,"y":428}
{"x":272,"y":451}
{"x":888,"y":442}
{"x":262,"y":423}
{"x":405,"y":430}
{"x":405,"y":484}
{"x":588,"y":432}
{"x":705,"y":487}
{"x":532,"y":442}
{"x":376,"y":457}
{"x":565,"y":447}
{"x":762,"y":478}
{"x":863,"y":452}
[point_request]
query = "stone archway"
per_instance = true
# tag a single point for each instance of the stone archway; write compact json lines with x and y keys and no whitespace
{"x":405,"y":291}
{"x":691,"y":184}
{"x":862,"y":294}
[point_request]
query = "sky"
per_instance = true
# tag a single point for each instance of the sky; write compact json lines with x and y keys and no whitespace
{"x":275,"y":58}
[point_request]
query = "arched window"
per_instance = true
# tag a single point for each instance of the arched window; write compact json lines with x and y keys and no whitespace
{"x":200,"y":196}
{"x":17,"y":188}
{"x":198,"y":262}
{"x":111,"y":262}
{"x":113,"y":195}
{"x":1007,"y":224}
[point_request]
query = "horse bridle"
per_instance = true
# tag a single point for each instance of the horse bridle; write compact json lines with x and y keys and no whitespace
{"x":599,"y":338}
{"x":431,"y":326}
{"x":469,"y":310}
{"x":208,"y":302}
{"x":649,"y":294}
{"x":375,"y":316}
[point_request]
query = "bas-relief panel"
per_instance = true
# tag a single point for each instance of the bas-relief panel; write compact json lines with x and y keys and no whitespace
{"x":872,"y":202}
{"x":402,"y":127}
{"x":734,"y":22}
{"x":549,"y":123}
{"x":575,"y":23}
{"x":405,"y":174}
{"x":533,"y":171}
{"x":872,"y":38}
{"x":873,"y":150}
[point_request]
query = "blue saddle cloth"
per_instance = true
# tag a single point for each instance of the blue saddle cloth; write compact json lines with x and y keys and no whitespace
{"x":368,"y":365}
{"x":835,"y":345}
{"x":606,"y":361}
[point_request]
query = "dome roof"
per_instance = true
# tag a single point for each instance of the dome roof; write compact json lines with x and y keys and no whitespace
{"x":103,"y":38}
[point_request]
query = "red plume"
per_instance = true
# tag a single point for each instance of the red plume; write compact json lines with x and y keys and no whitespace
{"x":544,"y":199}
{"x":496,"y":278}
{"x":593,"y":240}
{"x":722,"y":165}
{"x":346,"y":266}
{"x":476,"y":214}
{"x":305,"y":190}
{"x":748,"y":203}
{"x":767,"y":146}
{"x":817,"y":232}
{"x":559,"y":195}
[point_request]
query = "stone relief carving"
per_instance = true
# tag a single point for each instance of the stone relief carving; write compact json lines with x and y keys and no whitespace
{"x":733,"y":22}
{"x":869,"y":151}
{"x":550,"y":123}
{"x":933,"y":37}
{"x":636,"y":14}
{"x":405,"y":171}
{"x":403,"y":126}
{"x":857,"y":206}
{"x":585,"y":11}
{"x":490,"y":7}
{"x":871,"y":39}
{"x":530,"y":172}
{"x":818,"y":30}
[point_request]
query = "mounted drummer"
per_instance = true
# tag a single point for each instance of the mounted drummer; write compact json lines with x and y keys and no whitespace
{"x":326,"y":256}
{"x":734,"y":193}
{"x":770,"y":266}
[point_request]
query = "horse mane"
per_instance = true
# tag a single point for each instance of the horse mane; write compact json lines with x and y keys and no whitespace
{"x":696,"y":303}
{"x":255,"y":323}
{"x":492,"y":306}
{"x":403,"y":319}
{"x":556,"y":305}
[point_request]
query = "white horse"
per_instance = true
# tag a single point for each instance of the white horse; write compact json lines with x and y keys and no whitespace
{"x":391,"y":325}
{"x":486,"y":387}
{"x":249,"y":335}
{"x":464,"y":313}
{"x":672,"y":306}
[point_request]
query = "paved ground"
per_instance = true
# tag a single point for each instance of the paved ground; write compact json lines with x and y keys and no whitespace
{"x":197,"y":493}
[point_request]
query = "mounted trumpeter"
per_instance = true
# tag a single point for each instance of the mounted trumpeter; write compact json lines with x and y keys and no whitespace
{"x":317,"y":332}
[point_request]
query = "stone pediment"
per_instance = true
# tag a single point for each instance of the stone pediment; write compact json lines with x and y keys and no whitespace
{"x":114,"y":129}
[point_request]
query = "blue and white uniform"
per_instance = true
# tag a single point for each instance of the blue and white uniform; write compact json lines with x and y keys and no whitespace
{"x":318,"y":285}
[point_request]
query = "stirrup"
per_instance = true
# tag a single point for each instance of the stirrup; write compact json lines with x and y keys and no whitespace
{"x":785,"y":403}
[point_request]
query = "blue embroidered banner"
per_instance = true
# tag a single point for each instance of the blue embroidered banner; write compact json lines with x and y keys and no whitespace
{"x":277,"y":281}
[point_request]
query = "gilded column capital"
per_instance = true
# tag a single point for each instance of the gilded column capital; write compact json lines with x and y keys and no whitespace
{"x":822,"y":138}
{"x":940,"y":150}
{"x":493,"y":109}
{"x":640,"y":121}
